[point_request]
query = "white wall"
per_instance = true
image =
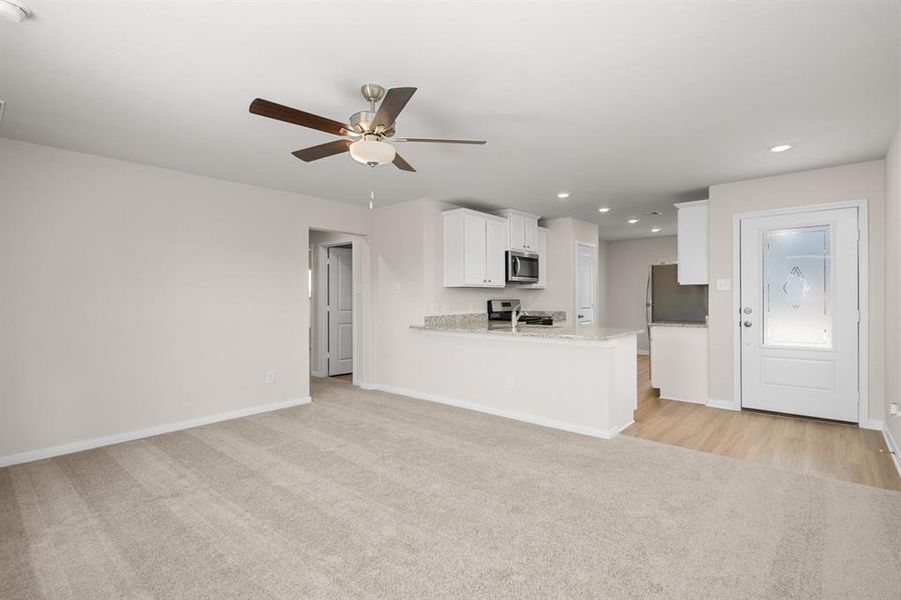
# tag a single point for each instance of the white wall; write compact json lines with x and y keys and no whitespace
{"x":136,"y":297}
{"x":893,"y":283}
{"x":628,"y":263}
{"x":603,"y":309}
{"x":836,"y":184}
{"x":563,"y":234}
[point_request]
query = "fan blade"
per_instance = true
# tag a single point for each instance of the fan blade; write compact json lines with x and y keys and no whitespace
{"x":437,"y":140}
{"x":401,"y":164}
{"x":395,"y":101}
{"x":322,"y":150}
{"x":272,"y":110}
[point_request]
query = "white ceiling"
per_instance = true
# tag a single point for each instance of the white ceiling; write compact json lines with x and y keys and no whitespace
{"x":628,"y":105}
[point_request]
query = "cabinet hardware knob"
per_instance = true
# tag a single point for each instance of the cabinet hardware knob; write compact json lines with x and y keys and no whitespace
{"x":747,"y":323}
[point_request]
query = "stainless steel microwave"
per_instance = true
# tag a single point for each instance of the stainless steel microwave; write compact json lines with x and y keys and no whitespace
{"x":522,"y":267}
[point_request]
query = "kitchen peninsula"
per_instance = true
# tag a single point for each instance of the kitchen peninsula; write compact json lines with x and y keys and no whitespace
{"x":575,"y":378}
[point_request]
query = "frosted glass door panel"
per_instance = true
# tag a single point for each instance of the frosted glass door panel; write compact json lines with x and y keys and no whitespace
{"x":797,"y":294}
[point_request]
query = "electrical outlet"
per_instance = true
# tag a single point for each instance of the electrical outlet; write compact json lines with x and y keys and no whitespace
{"x":270,"y":377}
{"x":509,"y":382}
{"x":723,"y":285}
{"x":894,"y":409}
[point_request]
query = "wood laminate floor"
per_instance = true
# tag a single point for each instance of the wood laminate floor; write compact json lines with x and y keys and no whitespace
{"x":808,"y":446}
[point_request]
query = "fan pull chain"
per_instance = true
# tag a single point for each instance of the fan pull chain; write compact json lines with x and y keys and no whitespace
{"x":371,"y":187}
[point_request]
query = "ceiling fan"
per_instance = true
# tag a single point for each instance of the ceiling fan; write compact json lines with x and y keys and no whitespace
{"x":364,"y":137}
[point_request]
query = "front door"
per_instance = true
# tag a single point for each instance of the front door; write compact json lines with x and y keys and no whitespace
{"x":799,"y":313}
{"x":340,"y":311}
{"x":586,"y":283}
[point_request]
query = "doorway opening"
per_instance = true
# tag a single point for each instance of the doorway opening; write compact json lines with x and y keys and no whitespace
{"x":333,"y":303}
{"x":585,"y":288}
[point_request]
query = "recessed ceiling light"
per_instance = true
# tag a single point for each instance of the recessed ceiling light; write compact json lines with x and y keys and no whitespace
{"x":563,"y":195}
{"x":656,"y":230}
{"x":604,"y":210}
{"x":13,"y":11}
{"x":781,"y":148}
{"x":633,"y":221}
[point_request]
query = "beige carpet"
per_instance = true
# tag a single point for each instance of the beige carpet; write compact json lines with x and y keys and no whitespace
{"x":368,"y":495}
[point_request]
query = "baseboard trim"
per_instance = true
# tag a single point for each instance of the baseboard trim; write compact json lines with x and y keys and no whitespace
{"x":722,"y":404}
{"x":118,"y":438}
{"x":605,"y":434}
{"x":687,"y":401}
{"x":893,"y":448}
{"x":872,"y":424}
{"x":643,"y":352}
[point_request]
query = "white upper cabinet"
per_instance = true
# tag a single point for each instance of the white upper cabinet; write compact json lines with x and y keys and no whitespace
{"x":475,"y":248}
{"x":474,"y":245}
{"x":496,"y":236}
{"x":522,"y":230}
{"x":692,"y":242}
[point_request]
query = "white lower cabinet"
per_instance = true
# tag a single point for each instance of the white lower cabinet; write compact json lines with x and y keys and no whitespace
{"x":474,"y":246}
{"x":679,"y":362}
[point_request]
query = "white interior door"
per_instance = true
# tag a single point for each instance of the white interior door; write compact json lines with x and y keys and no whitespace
{"x":586,"y":283}
{"x":799,"y":313}
{"x":340,"y":311}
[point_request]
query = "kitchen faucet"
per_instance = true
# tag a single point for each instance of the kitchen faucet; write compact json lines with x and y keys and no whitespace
{"x":514,"y":316}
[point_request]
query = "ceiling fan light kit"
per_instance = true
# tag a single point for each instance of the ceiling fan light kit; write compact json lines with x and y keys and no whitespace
{"x":369,"y":129}
{"x":372,"y":152}
{"x":13,"y":11}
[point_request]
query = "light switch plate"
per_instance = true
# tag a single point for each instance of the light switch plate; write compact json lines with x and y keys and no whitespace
{"x":723,"y":285}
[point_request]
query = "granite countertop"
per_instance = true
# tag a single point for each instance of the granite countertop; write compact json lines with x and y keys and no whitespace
{"x":679,"y":324}
{"x":583,"y":333}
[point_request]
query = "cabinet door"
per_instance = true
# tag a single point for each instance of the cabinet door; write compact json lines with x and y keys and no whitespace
{"x":530,"y":234}
{"x":692,"y":244}
{"x":517,"y":224}
{"x":495,"y":246}
{"x":474,"y":249}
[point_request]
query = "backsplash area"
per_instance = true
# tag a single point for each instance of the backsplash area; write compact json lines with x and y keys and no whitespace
{"x":464,"y":319}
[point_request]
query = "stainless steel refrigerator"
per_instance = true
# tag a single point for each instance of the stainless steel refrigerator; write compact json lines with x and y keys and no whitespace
{"x":668,"y":302}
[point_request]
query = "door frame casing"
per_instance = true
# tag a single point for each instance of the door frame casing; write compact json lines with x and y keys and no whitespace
{"x":321,"y":302}
{"x":575,"y":272}
{"x":863,"y":297}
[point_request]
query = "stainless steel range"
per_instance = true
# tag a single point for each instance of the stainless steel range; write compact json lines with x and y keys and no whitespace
{"x":507,"y":310}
